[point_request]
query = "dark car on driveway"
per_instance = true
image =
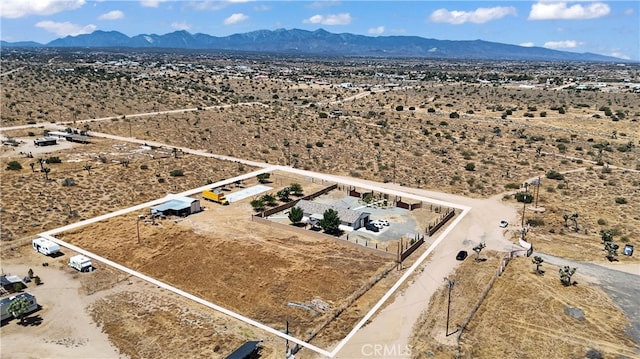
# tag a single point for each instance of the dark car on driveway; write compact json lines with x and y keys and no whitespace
{"x":461,"y":255}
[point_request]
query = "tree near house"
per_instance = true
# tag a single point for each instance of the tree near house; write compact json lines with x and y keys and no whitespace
{"x":269,"y":199}
{"x":283,"y":194}
{"x":606,"y":235}
{"x":537,"y":260}
{"x":566,"y":273}
{"x":296,"y":189}
{"x":18,"y":307}
{"x":330,"y":222}
{"x":257,"y":204}
{"x":479,"y":249}
{"x":295,"y":215}
{"x":263,"y":177}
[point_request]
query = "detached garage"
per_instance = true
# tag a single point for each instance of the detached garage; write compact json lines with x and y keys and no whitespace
{"x":178,"y":206}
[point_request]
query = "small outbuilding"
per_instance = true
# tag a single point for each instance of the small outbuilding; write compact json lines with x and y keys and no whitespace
{"x":8,"y":281}
{"x":45,"y":141}
{"x":178,"y":206}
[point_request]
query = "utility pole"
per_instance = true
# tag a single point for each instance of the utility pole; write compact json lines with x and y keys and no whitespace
{"x":524,"y":207}
{"x":138,"y":228}
{"x":537,"y":191}
{"x":287,"y":353}
{"x":450,"y":285}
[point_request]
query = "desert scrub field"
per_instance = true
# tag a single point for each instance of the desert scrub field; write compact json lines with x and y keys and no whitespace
{"x":94,"y":179}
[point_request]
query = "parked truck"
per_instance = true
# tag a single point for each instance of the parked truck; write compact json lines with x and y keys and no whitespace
{"x":215,"y":195}
{"x":81,"y":263}
{"x":45,"y":246}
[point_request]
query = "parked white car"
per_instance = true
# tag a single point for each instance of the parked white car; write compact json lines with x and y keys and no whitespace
{"x":504,"y":224}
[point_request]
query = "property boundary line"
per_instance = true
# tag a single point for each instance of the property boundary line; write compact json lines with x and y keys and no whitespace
{"x":50,"y":235}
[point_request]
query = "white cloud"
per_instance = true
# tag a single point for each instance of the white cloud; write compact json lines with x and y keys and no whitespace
{"x":527,"y":44}
{"x":261,"y":8}
{"x":333,"y":19}
{"x":562,"y":11}
{"x":65,"y":28}
{"x":478,"y":16}
{"x":14,"y":9}
{"x":235,"y":18}
{"x":620,"y":55}
{"x":112,"y":15}
{"x":150,"y":3}
{"x":629,"y":12}
{"x":180,"y":26}
{"x":565,"y":44}
{"x":323,"y":4}
{"x":376,"y":30}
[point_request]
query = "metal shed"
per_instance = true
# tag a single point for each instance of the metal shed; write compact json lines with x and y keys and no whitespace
{"x":178,"y":206}
{"x":248,"y":350}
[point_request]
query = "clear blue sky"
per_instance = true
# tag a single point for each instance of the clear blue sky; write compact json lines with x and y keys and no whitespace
{"x":603,"y":27}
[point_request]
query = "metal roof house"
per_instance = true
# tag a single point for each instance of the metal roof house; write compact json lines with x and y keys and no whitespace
{"x":348,"y":217}
{"x":178,"y":206}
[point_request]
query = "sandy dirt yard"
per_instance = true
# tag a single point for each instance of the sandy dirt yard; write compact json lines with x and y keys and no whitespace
{"x":108,"y":314}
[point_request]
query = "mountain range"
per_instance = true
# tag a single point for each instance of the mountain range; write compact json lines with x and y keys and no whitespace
{"x":323,"y":43}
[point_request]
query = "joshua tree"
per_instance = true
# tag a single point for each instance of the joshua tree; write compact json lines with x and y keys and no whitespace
{"x":537,"y":260}
{"x":565,"y":275}
{"x":41,"y":162}
{"x":574,"y":219}
{"x":46,"y":171}
{"x":612,"y":250}
{"x":18,"y":307}
{"x":479,"y":249}
{"x":263,"y":177}
{"x":606,"y":235}
{"x":31,"y":164}
{"x":566,"y":218}
{"x":87,"y":168}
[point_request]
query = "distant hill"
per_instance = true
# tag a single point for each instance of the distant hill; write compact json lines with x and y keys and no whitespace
{"x":321,"y":42}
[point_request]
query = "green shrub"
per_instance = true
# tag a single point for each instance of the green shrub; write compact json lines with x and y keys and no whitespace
{"x":535,"y":222}
{"x":555,"y":175}
{"x":512,"y":186}
{"x":602,"y":222}
{"x":144,"y":167}
{"x":14,"y":166}
{"x":621,"y":200}
{"x":176,"y":173}
{"x":524,"y":197}
{"x":54,"y":159}
{"x":470,"y":166}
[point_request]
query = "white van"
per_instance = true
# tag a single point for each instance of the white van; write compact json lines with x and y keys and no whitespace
{"x":45,"y":246}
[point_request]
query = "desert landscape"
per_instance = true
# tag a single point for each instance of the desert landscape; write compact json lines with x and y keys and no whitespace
{"x":559,"y":162}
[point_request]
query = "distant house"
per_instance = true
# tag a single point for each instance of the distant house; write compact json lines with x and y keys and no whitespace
{"x":348,"y":217}
{"x":71,"y":137}
{"x":7,"y":282}
{"x":248,"y":350}
{"x":178,"y":206}
{"x":45,"y":141}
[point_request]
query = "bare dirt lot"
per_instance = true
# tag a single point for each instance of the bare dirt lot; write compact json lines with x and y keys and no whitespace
{"x":533,"y":315}
{"x":108,"y":314}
